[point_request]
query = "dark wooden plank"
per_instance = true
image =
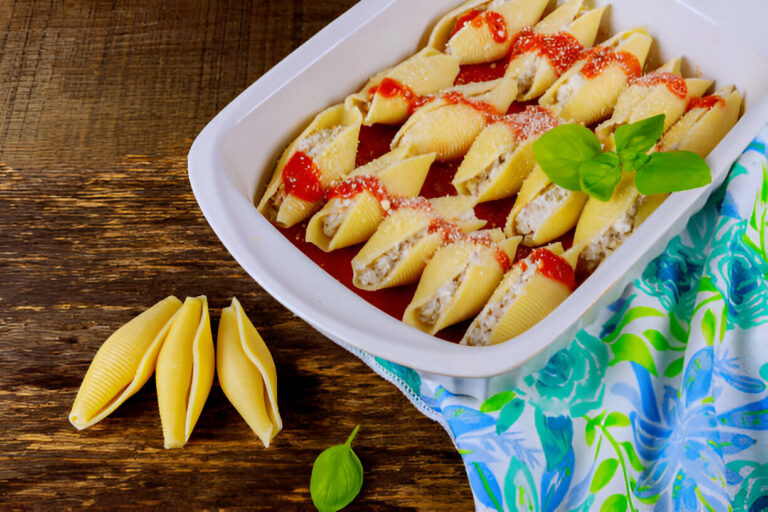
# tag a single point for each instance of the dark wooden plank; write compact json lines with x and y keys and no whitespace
{"x":99,"y":103}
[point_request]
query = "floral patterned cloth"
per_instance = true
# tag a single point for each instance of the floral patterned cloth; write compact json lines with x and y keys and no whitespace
{"x":661,"y":404}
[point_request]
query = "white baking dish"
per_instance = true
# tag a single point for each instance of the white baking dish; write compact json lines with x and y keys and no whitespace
{"x":234,"y":156}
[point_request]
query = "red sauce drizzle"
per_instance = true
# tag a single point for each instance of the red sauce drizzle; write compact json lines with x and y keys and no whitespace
{"x":462,"y":21}
{"x":707,"y":102}
{"x":301,"y":178}
{"x":553,"y":267}
{"x":350,"y":187}
{"x":600,"y":57}
{"x":495,"y":23}
{"x":456,"y":98}
{"x":560,"y":49}
{"x":674,"y":83}
{"x":391,"y":88}
{"x":470,"y":73}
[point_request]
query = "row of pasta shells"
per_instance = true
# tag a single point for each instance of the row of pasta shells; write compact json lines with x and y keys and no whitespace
{"x":174,"y":340}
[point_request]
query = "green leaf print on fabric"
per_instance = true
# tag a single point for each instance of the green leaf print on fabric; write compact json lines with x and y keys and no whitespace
{"x":509,"y":415}
{"x":572,"y":381}
{"x":497,"y":401}
{"x":630,"y":347}
{"x":410,"y":377}
{"x":603,"y":475}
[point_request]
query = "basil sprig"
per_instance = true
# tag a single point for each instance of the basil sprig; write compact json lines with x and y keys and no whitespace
{"x":337,"y":477}
{"x":572,"y":157}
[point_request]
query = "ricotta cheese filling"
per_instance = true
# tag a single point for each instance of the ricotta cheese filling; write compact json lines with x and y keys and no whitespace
{"x":338,"y":210}
{"x":569,"y":88}
{"x":602,"y":246}
{"x":479,"y":332}
{"x":380,"y":268}
{"x":316,"y":142}
{"x":432,"y":309}
{"x":533,"y":215}
{"x":478,"y":183}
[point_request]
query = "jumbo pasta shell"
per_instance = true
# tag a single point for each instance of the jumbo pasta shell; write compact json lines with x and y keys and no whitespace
{"x":536,"y":182}
{"x":533,"y":72}
{"x":555,"y":212}
{"x":640,"y":102}
{"x":647,"y":206}
{"x":333,"y":134}
{"x":475,"y":43}
{"x":538,"y":299}
{"x":598,"y":216}
{"x":490,"y":146}
{"x":444,"y":27}
{"x":448,"y":129}
{"x":587,"y":100}
{"x":123,"y":364}
{"x":426,"y":72}
{"x":467,"y":272}
{"x":701,"y":129}
{"x":247,"y":373}
{"x":402,"y":226}
{"x":359,"y":222}
{"x":185,"y":369}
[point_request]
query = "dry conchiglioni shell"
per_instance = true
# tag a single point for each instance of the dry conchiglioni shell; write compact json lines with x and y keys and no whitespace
{"x":185,"y":369}
{"x":247,"y":373}
{"x":123,"y":364}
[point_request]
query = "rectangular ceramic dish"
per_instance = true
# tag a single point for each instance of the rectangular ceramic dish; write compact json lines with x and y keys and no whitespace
{"x":234,"y":156}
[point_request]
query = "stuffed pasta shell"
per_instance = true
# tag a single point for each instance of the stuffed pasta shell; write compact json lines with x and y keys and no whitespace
{"x":324,"y":152}
{"x":449,"y":123}
{"x":539,"y":55}
{"x":588,"y":91}
{"x":662,"y":92}
{"x":482,"y":31}
{"x":408,"y":237}
{"x":459,"y":279}
{"x":391,"y":96}
{"x":357,"y":205}
{"x":543,"y":211}
{"x":531,"y":290}
{"x":501,"y":156}
{"x":706,"y":121}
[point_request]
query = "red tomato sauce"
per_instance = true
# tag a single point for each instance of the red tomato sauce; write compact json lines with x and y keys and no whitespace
{"x":600,"y":57}
{"x":301,"y":178}
{"x":707,"y":102}
{"x":675,"y":84}
{"x":463,"y":20}
{"x":560,"y":49}
{"x":554,"y":267}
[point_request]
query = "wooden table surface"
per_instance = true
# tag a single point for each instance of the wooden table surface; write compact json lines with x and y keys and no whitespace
{"x":101,"y":101}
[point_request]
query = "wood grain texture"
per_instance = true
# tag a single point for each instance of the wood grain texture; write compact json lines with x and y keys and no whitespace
{"x":99,"y":104}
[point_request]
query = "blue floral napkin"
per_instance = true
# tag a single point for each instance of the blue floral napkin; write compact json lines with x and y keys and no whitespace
{"x":661,"y":404}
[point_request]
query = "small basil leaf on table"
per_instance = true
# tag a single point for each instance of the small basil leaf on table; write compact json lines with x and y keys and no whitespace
{"x":637,"y":138}
{"x":562,"y":150}
{"x":672,"y":172}
{"x":337,"y":477}
{"x":599,"y":176}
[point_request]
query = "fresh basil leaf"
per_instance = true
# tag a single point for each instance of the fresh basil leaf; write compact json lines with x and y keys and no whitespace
{"x":337,"y":477}
{"x":562,"y":150}
{"x":672,"y":172}
{"x":599,"y":176}
{"x":631,"y":160}
{"x":639,"y":137}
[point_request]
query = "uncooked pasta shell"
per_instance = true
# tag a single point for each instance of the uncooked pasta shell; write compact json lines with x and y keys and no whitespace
{"x":123,"y":364}
{"x":185,"y":369}
{"x":247,"y":373}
